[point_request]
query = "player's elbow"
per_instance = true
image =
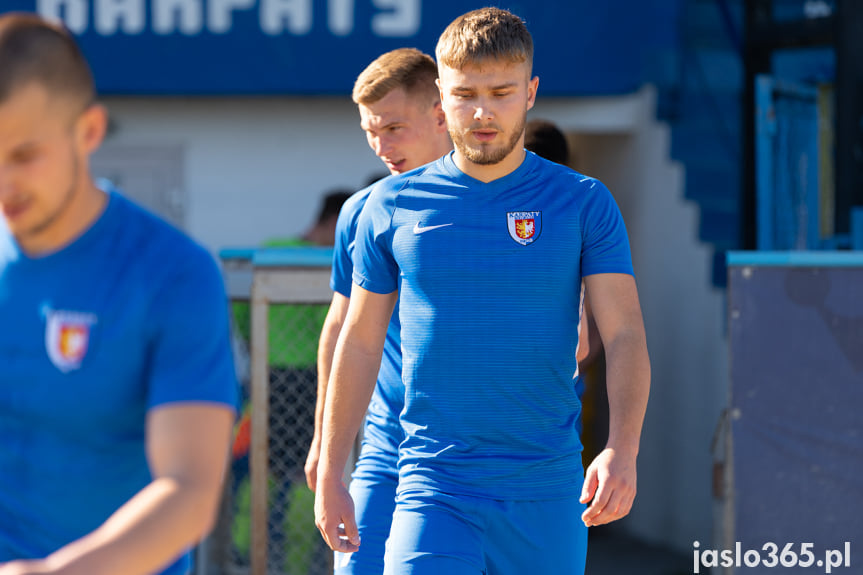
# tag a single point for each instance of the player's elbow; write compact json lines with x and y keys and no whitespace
{"x":197,"y":495}
{"x":203,"y":510}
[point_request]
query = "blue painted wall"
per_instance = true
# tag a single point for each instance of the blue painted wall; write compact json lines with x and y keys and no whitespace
{"x":236,"y":47}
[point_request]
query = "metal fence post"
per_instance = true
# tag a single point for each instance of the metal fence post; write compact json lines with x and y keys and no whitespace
{"x":258,"y":463}
{"x":279,"y":299}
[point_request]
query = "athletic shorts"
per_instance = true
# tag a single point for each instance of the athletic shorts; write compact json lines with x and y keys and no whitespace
{"x":373,"y":489}
{"x":434,"y":533}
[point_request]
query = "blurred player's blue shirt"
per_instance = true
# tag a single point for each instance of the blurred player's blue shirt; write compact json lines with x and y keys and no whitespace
{"x":382,"y":427}
{"x":489,"y":278}
{"x":130,"y":316}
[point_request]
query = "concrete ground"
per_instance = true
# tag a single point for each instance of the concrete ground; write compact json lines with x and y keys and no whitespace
{"x":611,"y":552}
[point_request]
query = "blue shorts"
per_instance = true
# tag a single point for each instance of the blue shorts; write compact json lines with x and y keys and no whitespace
{"x":373,"y":489}
{"x":435,"y":533}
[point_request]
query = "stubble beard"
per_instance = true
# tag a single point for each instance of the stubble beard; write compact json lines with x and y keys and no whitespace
{"x":485,"y":154}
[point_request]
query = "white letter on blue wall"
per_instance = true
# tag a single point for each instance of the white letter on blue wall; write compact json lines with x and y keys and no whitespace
{"x":73,"y":13}
{"x":295,"y":16}
{"x":127,"y":15}
{"x":401,"y":20}
{"x":188,"y":12}
{"x":220,"y":14}
{"x":340,"y":17}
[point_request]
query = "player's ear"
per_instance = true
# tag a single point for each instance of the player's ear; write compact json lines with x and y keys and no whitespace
{"x":440,"y":90}
{"x":440,"y":116}
{"x":532,"y":86}
{"x":91,"y":128}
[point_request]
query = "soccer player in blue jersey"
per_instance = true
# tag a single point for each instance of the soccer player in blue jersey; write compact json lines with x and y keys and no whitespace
{"x":400,"y":112}
{"x":486,"y":249}
{"x":117,"y":387}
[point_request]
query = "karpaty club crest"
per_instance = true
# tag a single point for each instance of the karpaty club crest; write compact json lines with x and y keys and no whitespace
{"x":524,"y":227}
{"x":67,"y":337}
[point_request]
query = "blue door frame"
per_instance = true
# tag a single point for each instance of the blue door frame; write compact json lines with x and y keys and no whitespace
{"x":787,"y":165}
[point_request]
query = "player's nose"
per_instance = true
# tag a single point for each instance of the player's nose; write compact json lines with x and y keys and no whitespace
{"x":482,"y":113}
{"x":383,"y":147}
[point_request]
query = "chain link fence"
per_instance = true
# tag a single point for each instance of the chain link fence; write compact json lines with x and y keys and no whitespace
{"x":290,"y":304}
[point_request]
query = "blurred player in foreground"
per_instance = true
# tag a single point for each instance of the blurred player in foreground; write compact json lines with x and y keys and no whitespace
{"x":117,"y":387}
{"x":400,"y":112}
{"x":485,"y":250}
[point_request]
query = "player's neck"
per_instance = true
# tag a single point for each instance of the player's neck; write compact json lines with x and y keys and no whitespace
{"x":490,"y":172}
{"x":84,"y":208}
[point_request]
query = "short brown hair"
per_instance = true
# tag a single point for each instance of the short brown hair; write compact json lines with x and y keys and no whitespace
{"x":406,"y":68}
{"x":485,"y":34}
{"x":35,"y":50}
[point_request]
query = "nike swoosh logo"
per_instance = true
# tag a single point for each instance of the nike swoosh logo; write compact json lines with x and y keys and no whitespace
{"x":423,"y":229}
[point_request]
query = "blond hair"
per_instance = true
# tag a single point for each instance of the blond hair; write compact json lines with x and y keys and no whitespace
{"x":405,"y":68}
{"x":485,"y":34}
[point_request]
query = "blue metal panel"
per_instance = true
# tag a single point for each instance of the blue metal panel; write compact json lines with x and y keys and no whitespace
{"x":237,"y":254}
{"x":279,"y":257}
{"x":795,"y":335}
{"x":857,"y":228}
{"x":319,"y":46}
{"x":791,"y":10}
{"x":293,"y":257}
{"x":796,"y":258}
{"x":805,"y":64}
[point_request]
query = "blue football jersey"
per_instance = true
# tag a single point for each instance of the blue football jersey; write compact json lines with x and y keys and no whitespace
{"x":489,"y":277}
{"x":130,"y":316}
{"x":382,"y":419}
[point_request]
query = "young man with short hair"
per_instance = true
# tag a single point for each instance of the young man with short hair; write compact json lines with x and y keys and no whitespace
{"x":117,"y":386}
{"x":400,"y":112}
{"x":486,"y":249}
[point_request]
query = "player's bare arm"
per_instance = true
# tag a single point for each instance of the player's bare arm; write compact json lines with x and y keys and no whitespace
{"x":610,"y":480}
{"x":355,"y":367}
{"x":326,"y":349}
{"x":187,"y":448}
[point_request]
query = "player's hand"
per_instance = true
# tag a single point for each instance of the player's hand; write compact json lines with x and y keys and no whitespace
{"x":609,"y":487}
{"x":334,"y":516}
{"x":311,"y":467}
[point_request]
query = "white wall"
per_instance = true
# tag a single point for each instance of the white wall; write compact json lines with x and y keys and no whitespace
{"x":253,"y":168}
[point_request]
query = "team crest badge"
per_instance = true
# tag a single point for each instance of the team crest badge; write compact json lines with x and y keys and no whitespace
{"x":67,"y":337}
{"x":524,"y":227}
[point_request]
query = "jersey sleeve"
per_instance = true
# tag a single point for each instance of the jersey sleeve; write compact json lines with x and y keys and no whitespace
{"x":346,"y":227}
{"x":190,"y":357}
{"x":375,"y":268}
{"x":605,"y":244}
